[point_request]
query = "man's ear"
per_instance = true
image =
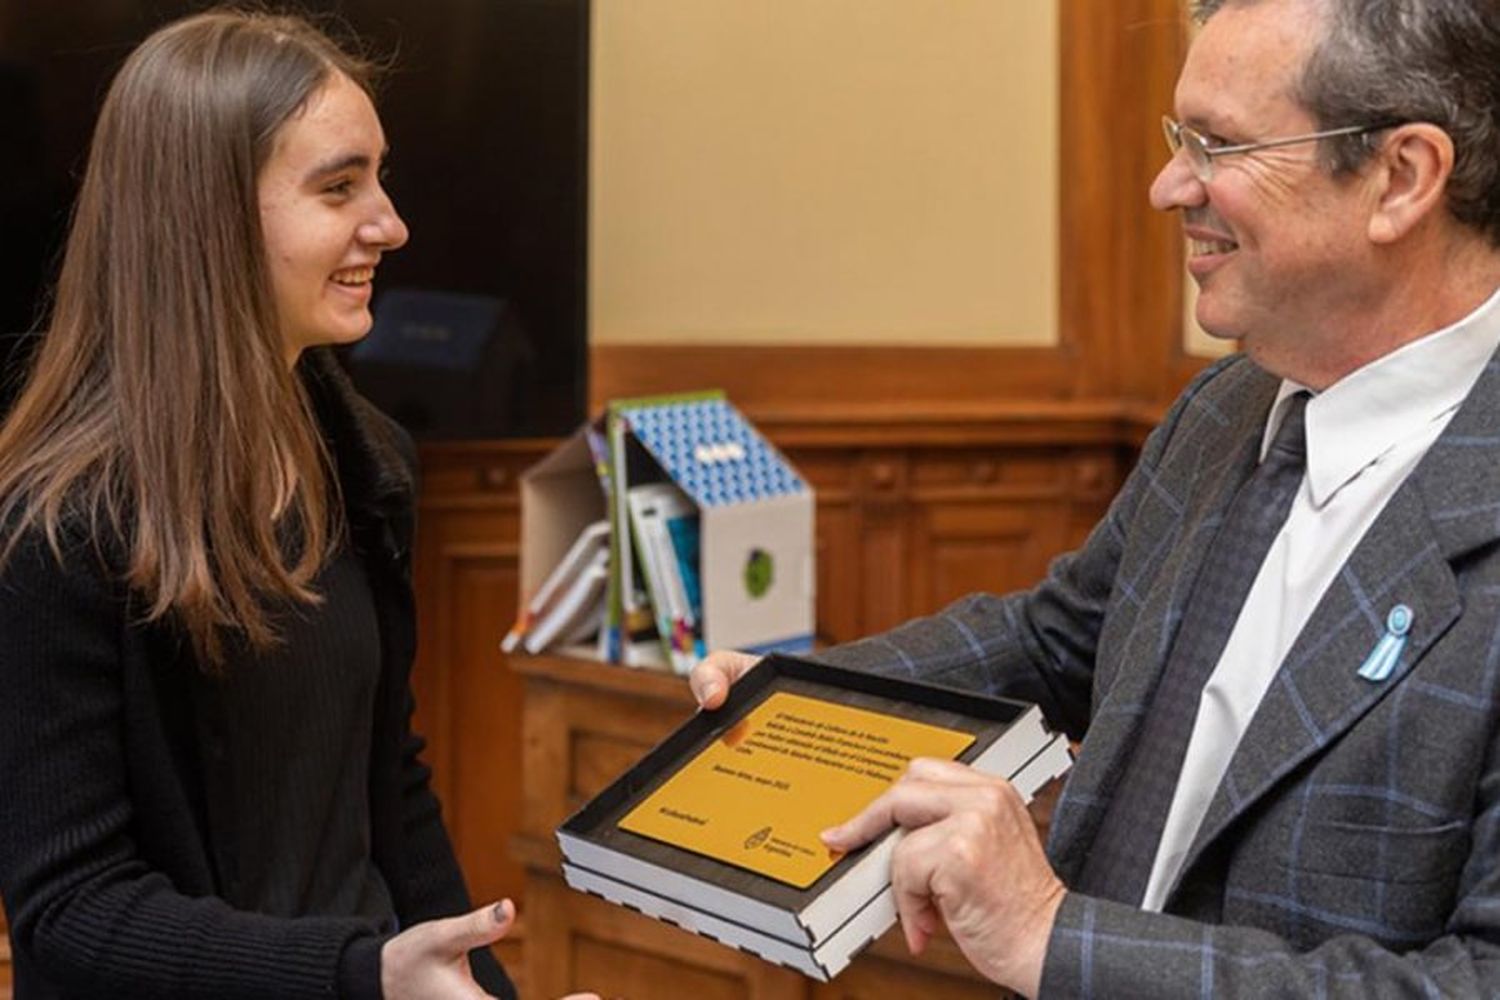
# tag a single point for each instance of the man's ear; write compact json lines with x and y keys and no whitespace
{"x":1411,"y":177}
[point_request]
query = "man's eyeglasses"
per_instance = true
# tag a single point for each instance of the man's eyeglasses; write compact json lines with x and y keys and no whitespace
{"x":1201,"y":153}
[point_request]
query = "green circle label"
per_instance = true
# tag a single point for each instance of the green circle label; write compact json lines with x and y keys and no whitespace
{"x":759,"y":572}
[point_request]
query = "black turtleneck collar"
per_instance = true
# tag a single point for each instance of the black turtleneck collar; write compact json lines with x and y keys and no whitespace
{"x":374,"y":458}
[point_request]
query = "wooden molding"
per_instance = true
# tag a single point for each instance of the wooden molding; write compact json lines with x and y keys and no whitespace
{"x":837,"y":425}
{"x":791,"y":375}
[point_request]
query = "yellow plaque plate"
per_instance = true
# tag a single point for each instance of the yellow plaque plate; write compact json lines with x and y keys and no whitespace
{"x":758,"y":796}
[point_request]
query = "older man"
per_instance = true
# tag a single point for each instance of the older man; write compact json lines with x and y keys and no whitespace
{"x":1281,"y":648}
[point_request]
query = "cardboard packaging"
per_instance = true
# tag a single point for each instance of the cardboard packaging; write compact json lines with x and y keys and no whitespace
{"x":561,"y":496}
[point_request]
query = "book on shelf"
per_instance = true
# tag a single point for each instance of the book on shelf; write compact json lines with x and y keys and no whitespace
{"x":715,"y":830}
{"x":577,"y":612}
{"x":569,"y":605}
{"x":664,"y":527}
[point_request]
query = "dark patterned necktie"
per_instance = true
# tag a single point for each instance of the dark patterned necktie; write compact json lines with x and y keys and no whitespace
{"x":1119,"y":863}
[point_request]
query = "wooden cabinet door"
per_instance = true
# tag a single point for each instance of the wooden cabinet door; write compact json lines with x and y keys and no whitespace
{"x":468,"y":705}
{"x":466,"y":574}
{"x":837,"y":546}
{"x":960,"y":548}
{"x":992,"y":520}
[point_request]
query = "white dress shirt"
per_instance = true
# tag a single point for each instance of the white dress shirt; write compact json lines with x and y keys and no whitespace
{"x":1365,"y":434}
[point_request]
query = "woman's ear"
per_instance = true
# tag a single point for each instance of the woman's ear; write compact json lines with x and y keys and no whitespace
{"x":1411,"y":177}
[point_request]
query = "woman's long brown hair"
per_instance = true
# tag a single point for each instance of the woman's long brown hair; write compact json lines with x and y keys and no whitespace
{"x":159,"y":410}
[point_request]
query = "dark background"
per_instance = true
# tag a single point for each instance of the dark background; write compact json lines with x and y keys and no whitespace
{"x":485,"y":109}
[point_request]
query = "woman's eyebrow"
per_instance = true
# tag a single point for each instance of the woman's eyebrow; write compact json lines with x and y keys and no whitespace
{"x":343,"y":162}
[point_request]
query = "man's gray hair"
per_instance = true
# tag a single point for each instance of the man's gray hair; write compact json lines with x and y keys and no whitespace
{"x":1432,"y":61}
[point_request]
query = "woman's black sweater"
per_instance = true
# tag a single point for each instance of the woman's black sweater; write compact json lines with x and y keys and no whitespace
{"x":110,"y":870}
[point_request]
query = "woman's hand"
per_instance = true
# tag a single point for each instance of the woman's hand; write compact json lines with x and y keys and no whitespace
{"x":430,"y":961}
{"x":710,"y":679}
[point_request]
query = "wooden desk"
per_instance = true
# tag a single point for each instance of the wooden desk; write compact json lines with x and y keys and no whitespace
{"x":583,"y":724}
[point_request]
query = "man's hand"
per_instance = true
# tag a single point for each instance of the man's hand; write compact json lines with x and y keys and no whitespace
{"x":710,"y":679}
{"x":971,"y":857}
{"x":430,"y":961}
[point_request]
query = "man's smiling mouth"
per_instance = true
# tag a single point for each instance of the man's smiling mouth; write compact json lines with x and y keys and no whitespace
{"x":1206,"y":247}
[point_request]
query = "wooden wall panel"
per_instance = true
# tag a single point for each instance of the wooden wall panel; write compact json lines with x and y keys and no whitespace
{"x":585,"y":943}
{"x":633,"y":971}
{"x":838,"y":555}
{"x":467,"y":706}
{"x":882,"y":589}
{"x":879,"y":977}
{"x":980,"y":547}
{"x":836,"y":546}
{"x":484,"y":714}
{"x":465,"y":570}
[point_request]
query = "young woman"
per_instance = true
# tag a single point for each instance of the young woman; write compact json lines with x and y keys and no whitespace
{"x":208,"y":781}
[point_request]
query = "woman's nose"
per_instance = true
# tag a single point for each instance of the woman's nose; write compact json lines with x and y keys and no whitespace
{"x":386,"y":228}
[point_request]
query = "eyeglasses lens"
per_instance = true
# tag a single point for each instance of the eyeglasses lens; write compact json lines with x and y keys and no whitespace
{"x":1197,"y":154}
{"x":1181,"y":138}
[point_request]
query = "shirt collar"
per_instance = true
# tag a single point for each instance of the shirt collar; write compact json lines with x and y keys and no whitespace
{"x":1368,"y":412}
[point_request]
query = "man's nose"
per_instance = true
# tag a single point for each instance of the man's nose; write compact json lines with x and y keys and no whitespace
{"x":1176,"y":186}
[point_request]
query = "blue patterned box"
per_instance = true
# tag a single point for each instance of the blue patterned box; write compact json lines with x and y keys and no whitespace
{"x":755,"y":514}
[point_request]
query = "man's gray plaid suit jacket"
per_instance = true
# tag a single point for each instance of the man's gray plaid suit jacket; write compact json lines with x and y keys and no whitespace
{"x":1353,"y":848}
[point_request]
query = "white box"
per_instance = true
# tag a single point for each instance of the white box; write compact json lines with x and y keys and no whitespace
{"x":817,"y":930}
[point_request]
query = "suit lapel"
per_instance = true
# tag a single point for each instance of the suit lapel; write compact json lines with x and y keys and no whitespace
{"x":1219,"y":449}
{"x":1449,"y":505}
{"x":1318,"y":693}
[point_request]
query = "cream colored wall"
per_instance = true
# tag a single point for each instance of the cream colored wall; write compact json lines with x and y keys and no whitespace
{"x":824,"y":171}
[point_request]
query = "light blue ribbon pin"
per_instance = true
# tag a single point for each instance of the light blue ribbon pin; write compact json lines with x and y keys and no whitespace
{"x":1382,"y":659}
